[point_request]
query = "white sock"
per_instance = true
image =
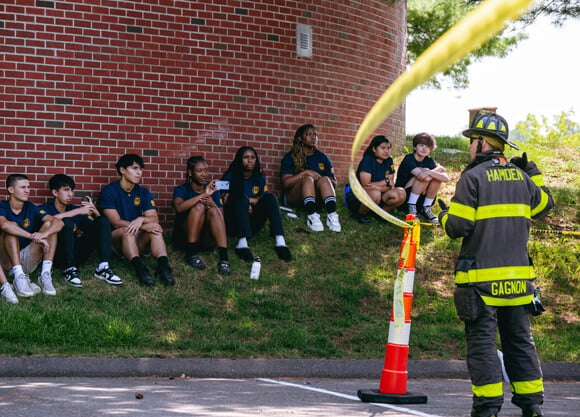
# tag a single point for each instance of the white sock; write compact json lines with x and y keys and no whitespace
{"x":17,"y":270}
{"x":102,"y":265}
{"x":428,"y":202}
{"x":280,"y":241}
{"x":413,"y":198}
{"x":46,"y":266}
{"x":242,"y":243}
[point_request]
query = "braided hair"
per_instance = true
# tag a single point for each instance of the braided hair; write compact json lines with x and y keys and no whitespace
{"x":191,"y":163}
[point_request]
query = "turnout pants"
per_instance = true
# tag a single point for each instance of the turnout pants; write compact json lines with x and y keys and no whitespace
{"x":519,"y":352}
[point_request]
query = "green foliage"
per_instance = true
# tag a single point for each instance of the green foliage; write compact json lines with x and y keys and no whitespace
{"x":540,"y":131}
{"x":427,"y":20}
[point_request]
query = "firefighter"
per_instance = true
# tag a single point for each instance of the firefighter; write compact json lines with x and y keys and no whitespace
{"x":491,"y":210}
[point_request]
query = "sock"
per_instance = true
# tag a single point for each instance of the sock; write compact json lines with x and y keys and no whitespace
{"x":223,"y":254}
{"x":138,"y":264}
{"x":191,"y":248}
{"x":163,"y":262}
{"x":17,"y":270}
{"x":428,"y":202}
{"x":330,"y":204}
{"x":46,"y":266}
{"x":310,"y":205}
{"x":413,"y":198}
{"x":242,"y":243}
{"x":280,"y":241}
{"x":102,"y":265}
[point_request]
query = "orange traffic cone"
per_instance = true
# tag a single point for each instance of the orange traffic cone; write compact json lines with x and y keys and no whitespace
{"x":393,"y":385}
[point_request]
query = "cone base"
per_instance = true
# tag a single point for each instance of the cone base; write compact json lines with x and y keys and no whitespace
{"x":374,"y":396}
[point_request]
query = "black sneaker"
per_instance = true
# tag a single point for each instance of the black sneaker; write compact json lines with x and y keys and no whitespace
{"x":224,"y":268}
{"x":71,"y":276}
{"x":533,"y":410}
{"x":165,"y":275}
{"x":412,"y":209}
{"x":429,"y":216}
{"x":195,"y":262}
{"x":283,"y":253}
{"x":145,"y":277}
{"x":245,"y":254}
{"x":364,"y":219}
{"x":107,"y":275}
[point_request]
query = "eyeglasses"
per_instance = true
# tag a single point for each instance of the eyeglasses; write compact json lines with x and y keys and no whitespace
{"x":473,"y":139}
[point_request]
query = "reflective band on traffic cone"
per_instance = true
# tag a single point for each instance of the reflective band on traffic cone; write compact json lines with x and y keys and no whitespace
{"x":393,"y":385}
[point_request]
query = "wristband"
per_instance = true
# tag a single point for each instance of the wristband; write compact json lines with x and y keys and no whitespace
{"x":387,"y":181}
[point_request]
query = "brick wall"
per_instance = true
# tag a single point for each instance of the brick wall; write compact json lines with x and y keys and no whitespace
{"x":85,"y":81}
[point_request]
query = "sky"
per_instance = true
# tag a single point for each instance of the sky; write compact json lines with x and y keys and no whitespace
{"x":540,"y":76}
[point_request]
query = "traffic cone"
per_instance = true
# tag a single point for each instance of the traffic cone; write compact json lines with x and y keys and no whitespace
{"x":393,"y":385}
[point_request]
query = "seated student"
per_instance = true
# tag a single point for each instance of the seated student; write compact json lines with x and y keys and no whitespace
{"x":28,"y":238}
{"x":199,"y":219}
{"x":84,"y":230}
{"x":308,"y":179}
{"x":421,"y":177}
{"x":375,"y":173}
{"x":136,"y":230}
{"x":248,"y":204}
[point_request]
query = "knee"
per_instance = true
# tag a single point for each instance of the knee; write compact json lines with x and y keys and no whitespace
{"x":269,"y":199}
{"x":103,"y":221}
{"x":68,"y":225}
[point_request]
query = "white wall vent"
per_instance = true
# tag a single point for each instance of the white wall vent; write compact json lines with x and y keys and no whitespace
{"x":304,"y":40}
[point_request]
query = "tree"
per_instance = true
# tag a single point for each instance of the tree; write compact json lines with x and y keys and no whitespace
{"x":427,"y":20}
{"x":562,"y":130}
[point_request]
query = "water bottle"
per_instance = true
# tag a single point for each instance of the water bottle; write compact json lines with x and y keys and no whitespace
{"x":256,"y":266}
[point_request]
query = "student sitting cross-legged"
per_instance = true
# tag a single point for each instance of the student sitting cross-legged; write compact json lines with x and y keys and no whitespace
{"x":84,"y":231}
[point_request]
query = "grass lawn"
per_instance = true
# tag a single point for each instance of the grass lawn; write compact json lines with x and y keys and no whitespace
{"x":332,"y":301}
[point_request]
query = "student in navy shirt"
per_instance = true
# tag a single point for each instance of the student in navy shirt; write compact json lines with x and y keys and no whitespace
{"x":199,"y":218}
{"x":84,"y":230}
{"x":421,"y":177}
{"x":308,"y":179}
{"x":376,"y":173}
{"x":136,"y":230}
{"x":29,"y":237}
{"x":248,"y":204}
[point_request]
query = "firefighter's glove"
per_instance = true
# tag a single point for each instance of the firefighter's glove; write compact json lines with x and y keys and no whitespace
{"x":536,"y":307}
{"x":529,"y":167}
{"x":442,"y":204}
{"x":520,"y":161}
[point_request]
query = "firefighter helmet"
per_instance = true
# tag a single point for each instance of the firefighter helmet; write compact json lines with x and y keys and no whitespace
{"x":490,"y":124}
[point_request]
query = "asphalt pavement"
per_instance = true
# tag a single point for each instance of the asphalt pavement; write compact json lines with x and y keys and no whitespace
{"x":163,"y":387}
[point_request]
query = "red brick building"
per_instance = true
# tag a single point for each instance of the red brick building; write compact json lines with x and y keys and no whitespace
{"x":85,"y":81}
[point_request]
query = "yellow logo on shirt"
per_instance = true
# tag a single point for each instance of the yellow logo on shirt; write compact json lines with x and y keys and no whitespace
{"x":321,"y":166}
{"x":153,"y":203}
{"x":25,"y":223}
{"x":137,"y":201}
{"x":255,"y":190}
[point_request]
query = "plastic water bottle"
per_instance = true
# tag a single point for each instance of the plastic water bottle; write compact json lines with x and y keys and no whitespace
{"x":256,"y":266}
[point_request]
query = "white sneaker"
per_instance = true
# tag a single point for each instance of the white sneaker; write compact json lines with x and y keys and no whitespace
{"x":35,"y":288}
{"x":8,"y":293}
{"x":45,"y":281}
{"x":22,"y":285}
{"x":313,"y":222}
{"x":332,"y":222}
